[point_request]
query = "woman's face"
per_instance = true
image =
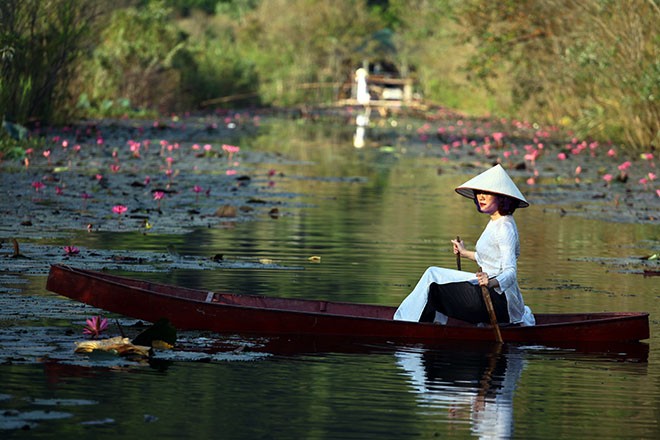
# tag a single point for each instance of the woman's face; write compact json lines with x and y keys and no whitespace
{"x":487,"y":202}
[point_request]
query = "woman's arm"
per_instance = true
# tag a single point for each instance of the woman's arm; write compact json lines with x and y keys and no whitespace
{"x":507,"y":238}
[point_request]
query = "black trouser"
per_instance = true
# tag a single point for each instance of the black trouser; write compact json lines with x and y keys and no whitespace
{"x":463,"y":301}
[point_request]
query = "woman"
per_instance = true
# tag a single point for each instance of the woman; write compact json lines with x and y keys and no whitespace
{"x":445,"y":293}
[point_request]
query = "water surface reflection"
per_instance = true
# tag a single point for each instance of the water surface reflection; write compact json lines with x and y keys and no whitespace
{"x":377,"y":217}
{"x":467,"y":385}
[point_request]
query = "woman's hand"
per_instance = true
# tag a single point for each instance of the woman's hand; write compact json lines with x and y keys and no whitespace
{"x":459,"y":247}
{"x":482,"y":277}
{"x":484,"y":280}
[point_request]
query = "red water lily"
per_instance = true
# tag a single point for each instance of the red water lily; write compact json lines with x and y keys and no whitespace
{"x":37,"y":185}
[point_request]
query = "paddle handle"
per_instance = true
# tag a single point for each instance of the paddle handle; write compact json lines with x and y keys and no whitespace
{"x":458,"y":255}
{"x":491,"y":313}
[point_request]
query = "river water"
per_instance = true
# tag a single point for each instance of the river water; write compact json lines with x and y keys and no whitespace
{"x":376,"y":217}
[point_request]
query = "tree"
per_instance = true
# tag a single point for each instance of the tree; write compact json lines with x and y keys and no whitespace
{"x":294,"y":42}
{"x":140,"y":58}
{"x":39,"y":44}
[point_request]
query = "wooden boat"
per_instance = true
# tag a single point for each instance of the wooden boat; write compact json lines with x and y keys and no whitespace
{"x":192,"y":309}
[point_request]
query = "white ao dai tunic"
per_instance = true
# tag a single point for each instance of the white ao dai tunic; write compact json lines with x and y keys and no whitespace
{"x":497,"y":252}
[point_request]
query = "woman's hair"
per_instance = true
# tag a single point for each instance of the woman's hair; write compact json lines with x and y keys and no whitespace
{"x":505,"y":205}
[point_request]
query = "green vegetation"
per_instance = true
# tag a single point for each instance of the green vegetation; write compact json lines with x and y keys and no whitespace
{"x":590,"y":66}
{"x":39,"y":42}
{"x":15,"y":140}
{"x":141,"y":59}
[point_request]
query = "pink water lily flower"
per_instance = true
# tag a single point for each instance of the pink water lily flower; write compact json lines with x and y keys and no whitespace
{"x":135,"y":148}
{"x":119,"y":209}
{"x":37,"y":185}
{"x":71,"y":250}
{"x":95,"y":325}
{"x":158,"y":196}
{"x":624,"y":166}
{"x":230,"y":150}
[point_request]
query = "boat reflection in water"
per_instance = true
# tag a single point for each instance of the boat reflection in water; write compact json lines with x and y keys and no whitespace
{"x":467,"y":385}
{"x":477,"y":384}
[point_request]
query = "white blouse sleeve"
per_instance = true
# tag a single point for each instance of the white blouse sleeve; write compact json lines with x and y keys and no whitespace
{"x":507,"y":240}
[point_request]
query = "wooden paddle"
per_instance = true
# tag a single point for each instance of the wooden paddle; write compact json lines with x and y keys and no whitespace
{"x":489,"y":304}
{"x":458,"y":255}
{"x":491,"y":313}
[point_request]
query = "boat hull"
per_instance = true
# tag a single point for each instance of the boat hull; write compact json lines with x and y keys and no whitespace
{"x":192,"y":309}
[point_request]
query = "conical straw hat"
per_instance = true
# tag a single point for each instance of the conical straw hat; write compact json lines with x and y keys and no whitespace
{"x":494,"y":180}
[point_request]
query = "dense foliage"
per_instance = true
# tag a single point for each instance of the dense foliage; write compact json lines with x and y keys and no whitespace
{"x":39,"y":42}
{"x":141,"y":59}
{"x":588,"y":65}
{"x":592,"y":64}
